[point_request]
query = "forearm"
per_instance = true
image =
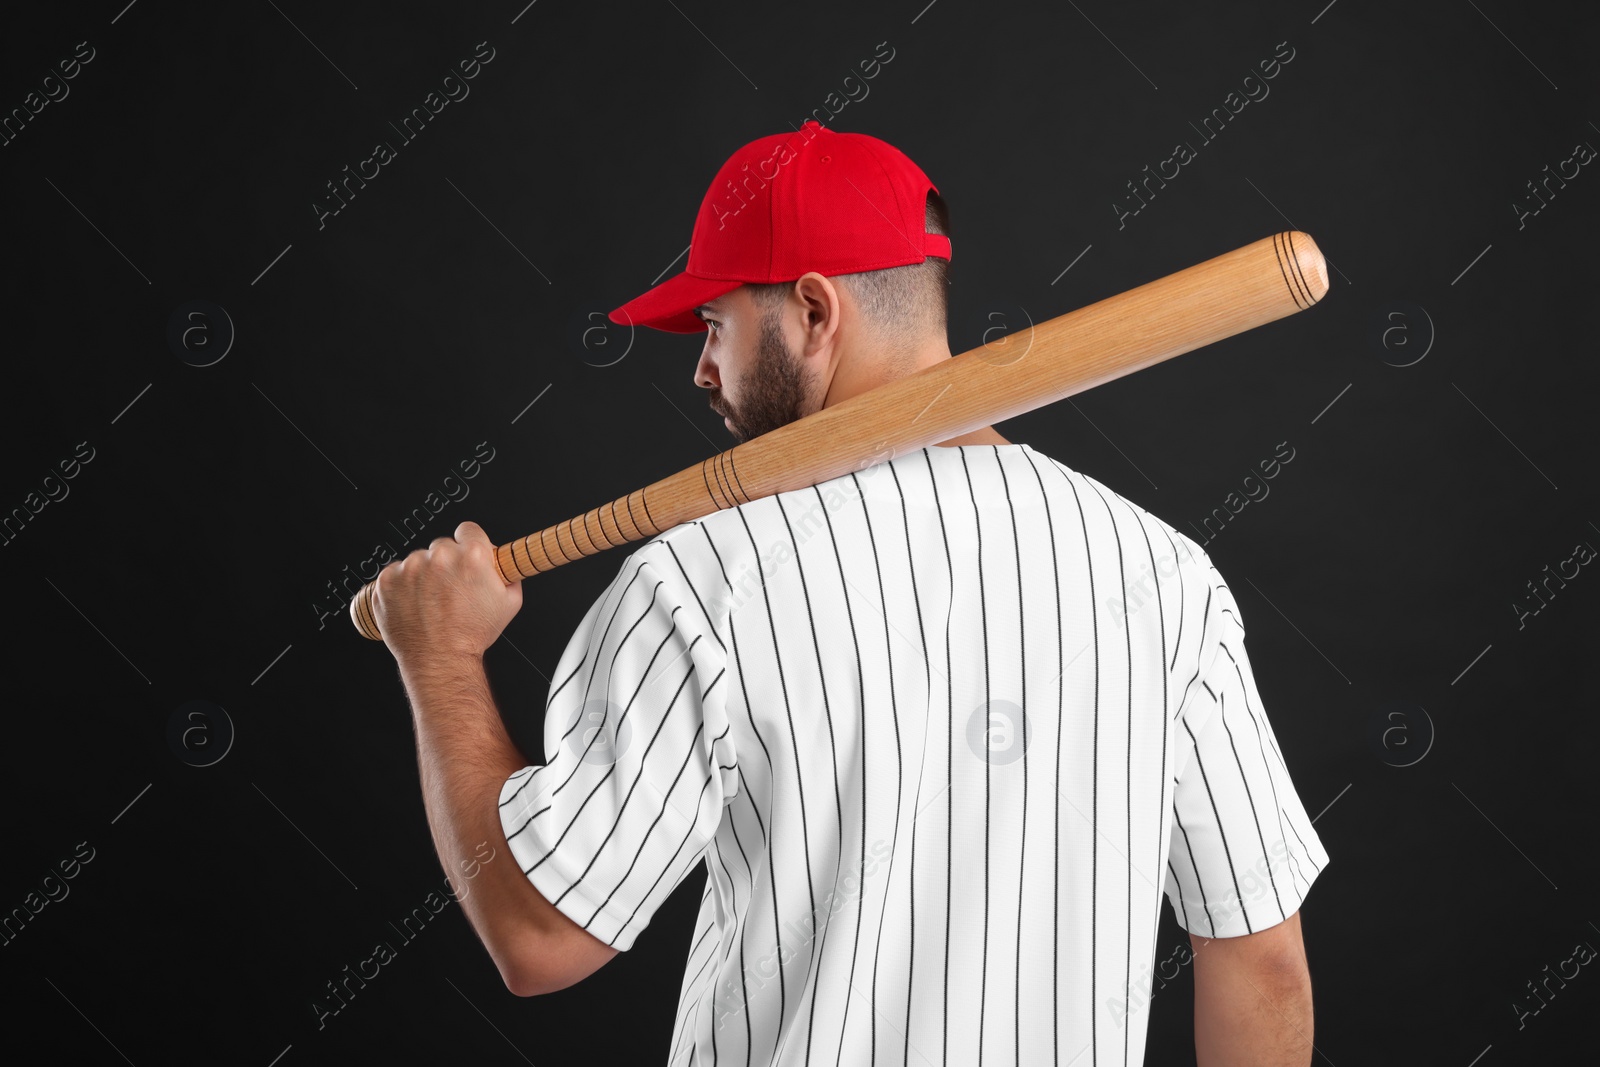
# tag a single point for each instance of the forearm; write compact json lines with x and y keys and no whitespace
{"x":1245,"y":1021}
{"x":464,"y":756}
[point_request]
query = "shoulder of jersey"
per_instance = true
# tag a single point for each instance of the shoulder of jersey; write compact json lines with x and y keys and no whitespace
{"x":1186,"y":544}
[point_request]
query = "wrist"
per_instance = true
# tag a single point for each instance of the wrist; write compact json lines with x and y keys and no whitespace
{"x":432,"y":668}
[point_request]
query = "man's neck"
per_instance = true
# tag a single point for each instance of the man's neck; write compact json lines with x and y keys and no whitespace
{"x":852,"y":379}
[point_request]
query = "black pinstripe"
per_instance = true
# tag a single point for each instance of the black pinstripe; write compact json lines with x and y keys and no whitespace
{"x":753,"y":691}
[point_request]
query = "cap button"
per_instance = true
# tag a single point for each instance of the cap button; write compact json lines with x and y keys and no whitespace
{"x":826,"y":158}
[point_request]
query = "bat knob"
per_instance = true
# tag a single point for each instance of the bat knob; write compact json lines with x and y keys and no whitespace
{"x":362,"y":613}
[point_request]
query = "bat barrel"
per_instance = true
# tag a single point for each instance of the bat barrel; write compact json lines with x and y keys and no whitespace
{"x":1227,"y":295}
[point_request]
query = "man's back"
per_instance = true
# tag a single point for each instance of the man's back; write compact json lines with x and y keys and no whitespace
{"x":944,"y":731}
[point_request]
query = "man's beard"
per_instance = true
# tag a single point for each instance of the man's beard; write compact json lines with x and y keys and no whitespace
{"x":776,"y":392}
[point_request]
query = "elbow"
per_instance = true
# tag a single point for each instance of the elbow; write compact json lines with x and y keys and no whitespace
{"x":1284,"y":984}
{"x":521,"y":971}
{"x":516,"y":980}
{"x":1295,"y":973}
{"x":1284,"y":976}
{"x":536,"y":959}
{"x":1287,"y":968}
{"x":521,"y":984}
{"x":1295,"y":981}
{"x":525,"y":981}
{"x":538,"y":969}
{"x":518,"y":961}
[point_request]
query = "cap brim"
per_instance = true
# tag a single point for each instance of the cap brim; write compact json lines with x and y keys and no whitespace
{"x":670,"y":305}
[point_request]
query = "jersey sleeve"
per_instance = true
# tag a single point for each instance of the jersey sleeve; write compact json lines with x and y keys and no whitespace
{"x":1243,"y":852}
{"x":639,"y":761}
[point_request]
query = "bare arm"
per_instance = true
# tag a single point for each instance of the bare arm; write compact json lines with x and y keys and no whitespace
{"x":464,"y":756}
{"x":438,"y":610}
{"x":1252,"y":999}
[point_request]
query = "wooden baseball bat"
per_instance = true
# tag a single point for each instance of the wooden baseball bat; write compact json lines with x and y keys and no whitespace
{"x":1234,"y":292}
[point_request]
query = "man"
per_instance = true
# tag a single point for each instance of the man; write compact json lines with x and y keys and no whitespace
{"x":943,"y":730}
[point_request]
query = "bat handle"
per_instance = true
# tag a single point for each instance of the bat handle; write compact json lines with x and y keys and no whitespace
{"x":594,"y":531}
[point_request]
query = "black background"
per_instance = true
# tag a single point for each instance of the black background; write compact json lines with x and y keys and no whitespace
{"x":371,"y":354}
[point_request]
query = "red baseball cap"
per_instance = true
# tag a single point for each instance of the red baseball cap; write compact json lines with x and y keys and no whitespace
{"x":812,"y":200}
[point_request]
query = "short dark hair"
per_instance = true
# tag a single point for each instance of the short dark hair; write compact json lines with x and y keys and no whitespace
{"x":906,"y":303}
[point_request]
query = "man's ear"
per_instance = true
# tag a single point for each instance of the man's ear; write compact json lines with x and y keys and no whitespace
{"x":820,"y":305}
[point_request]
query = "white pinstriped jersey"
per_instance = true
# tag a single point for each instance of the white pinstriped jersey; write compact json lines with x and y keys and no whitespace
{"x":944,"y":731}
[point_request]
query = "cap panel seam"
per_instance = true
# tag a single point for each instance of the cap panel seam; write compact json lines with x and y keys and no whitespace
{"x":894,"y":190}
{"x":772,"y":217}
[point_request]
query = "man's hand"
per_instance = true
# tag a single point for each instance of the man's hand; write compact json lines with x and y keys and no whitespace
{"x":445,"y":601}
